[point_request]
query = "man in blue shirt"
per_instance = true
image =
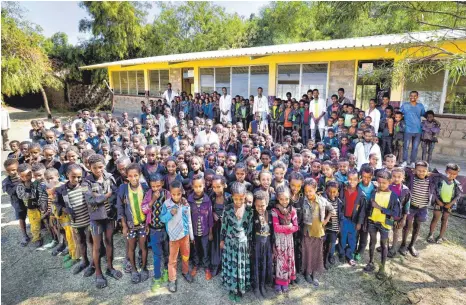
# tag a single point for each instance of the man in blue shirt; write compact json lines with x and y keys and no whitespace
{"x":412,"y":112}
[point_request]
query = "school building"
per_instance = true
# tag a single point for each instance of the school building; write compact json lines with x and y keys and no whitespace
{"x":325,"y":65}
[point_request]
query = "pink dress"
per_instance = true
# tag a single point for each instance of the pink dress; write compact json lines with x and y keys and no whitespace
{"x":285,"y":270}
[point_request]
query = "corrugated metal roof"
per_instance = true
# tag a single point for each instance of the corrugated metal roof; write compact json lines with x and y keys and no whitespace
{"x":348,"y":43}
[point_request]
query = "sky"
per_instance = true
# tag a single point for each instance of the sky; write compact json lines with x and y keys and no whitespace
{"x":64,"y":16}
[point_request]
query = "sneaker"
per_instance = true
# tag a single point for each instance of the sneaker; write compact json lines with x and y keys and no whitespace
{"x":66,"y":258}
{"x":440,"y":240}
{"x":70,"y":263}
{"x":208,"y":275}
{"x":156,"y":283}
{"x":357,"y":257}
{"x":352,"y":262}
{"x":403,"y":164}
{"x":172,"y":286}
{"x":37,"y":244}
{"x":430,"y":239}
{"x":51,"y":244}
{"x":308,"y":278}
{"x":164,"y":276}
{"x":331,"y":261}
{"x":24,"y":242}
{"x":194,"y":271}
{"x":188,"y":277}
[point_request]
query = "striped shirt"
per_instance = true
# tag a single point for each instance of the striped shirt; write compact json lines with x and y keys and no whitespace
{"x":79,"y":206}
{"x":199,"y":222}
{"x":333,"y":225}
{"x":420,"y":193}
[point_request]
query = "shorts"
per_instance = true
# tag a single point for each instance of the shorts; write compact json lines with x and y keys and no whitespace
{"x":442,"y":209}
{"x":136,"y":232}
{"x":377,"y":227}
{"x":100,"y":226}
{"x":418,"y":214}
{"x":21,"y":214}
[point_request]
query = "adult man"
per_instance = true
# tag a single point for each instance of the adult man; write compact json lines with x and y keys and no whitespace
{"x":167,"y":117}
{"x":89,"y":126}
{"x":147,"y":115}
{"x":364,"y":149}
{"x":385,"y":104}
{"x":225,"y":106}
{"x":5,"y":126}
{"x":412,"y":112}
{"x":317,"y":110}
{"x":341,"y":97}
{"x":261,"y":105}
{"x":169,"y":95}
{"x":207,"y":136}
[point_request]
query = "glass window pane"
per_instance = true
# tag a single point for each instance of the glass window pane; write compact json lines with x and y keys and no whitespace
{"x":132,"y":82}
{"x":259,"y":78}
{"x":116,"y":82}
{"x":314,"y":77}
{"x":430,"y":91}
{"x":288,"y":81}
{"x":239,"y":80}
{"x":154,"y":85}
{"x":141,"y":86}
{"x":124,"y":82}
{"x":164,"y":80}
{"x":207,"y":79}
{"x":456,"y":97}
{"x":222,"y":79}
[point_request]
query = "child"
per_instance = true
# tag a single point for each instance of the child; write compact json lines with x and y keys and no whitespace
{"x":297,"y":201}
{"x":386,"y":129}
{"x":285,"y":223}
{"x":345,"y":147}
{"x":422,"y":188}
{"x":341,"y":175}
{"x":327,"y":175}
{"x":100,"y":199}
{"x":279,"y":171}
{"x":430,"y":131}
{"x":15,"y":151}
{"x":9,"y":186}
{"x":320,"y":152}
{"x":398,"y":135}
{"x":305,"y":122}
{"x":133,"y":220}
{"x":236,"y":227}
{"x":274,"y":119}
{"x":295,"y":117}
{"x":316,"y":214}
{"x":176,"y":214}
{"x":262,"y":244}
{"x":447,"y":193}
{"x":384,"y":207}
{"x":49,"y":160}
{"x":333,"y":226}
{"x":330,"y":141}
{"x":201,"y":213}
{"x":348,"y":115}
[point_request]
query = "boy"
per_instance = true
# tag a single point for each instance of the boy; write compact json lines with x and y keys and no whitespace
{"x":341,"y":175}
{"x":15,"y":151}
{"x":266,"y":159}
{"x":177,"y":218}
{"x":398,"y":135}
{"x":9,"y":186}
{"x":384,"y":206}
{"x":330,"y":140}
{"x":422,"y":191}
{"x":447,"y":193}
{"x":333,"y":226}
{"x":305,"y":122}
{"x":430,"y":130}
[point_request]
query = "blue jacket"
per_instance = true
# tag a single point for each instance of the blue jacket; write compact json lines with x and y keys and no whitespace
{"x":122,"y":203}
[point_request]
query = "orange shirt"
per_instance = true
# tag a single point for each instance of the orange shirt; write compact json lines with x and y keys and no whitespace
{"x":287,"y":123}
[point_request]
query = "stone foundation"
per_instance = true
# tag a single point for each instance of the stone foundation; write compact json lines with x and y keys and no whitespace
{"x":342,"y":75}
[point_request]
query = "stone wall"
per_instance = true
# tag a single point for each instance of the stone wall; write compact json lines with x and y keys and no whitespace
{"x":89,"y":96}
{"x":452,"y":138}
{"x":56,"y":98}
{"x":130,"y":104}
{"x":342,"y":75}
{"x":176,"y":79}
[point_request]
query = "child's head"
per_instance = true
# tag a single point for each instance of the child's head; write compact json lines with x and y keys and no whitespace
{"x":35,"y":151}
{"x":171,"y":165}
{"x":452,"y":170}
{"x":176,"y":191}
{"x":296,"y":182}
{"x":25,"y":173}
{"x":343,"y":166}
{"x":72,"y":154}
{"x":421,"y":169}
{"x":327,"y":169}
{"x":430,"y":115}
{"x":353,"y":178}
{"x":184,"y":170}
{"x":165,"y":152}
{"x":279,"y":170}
{"x":266,"y":158}
{"x":349,"y":108}
{"x":383,"y":179}
{"x":198,"y":185}
{"x":50,"y":137}
{"x":320,"y":147}
{"x":398,"y":116}
{"x":133,"y":172}
{"x":156,"y":182}
{"x":316,"y":166}
{"x":249,"y":199}
{"x":331,"y":190}
{"x":373,"y":159}
{"x":390,"y":161}
{"x":283,"y":195}
{"x":14,"y":145}
{"x":196,"y":164}
{"x":297,"y":161}
{"x":11,"y":167}
{"x":97,"y":165}
{"x":366,"y":175}
{"x":334,"y":153}
{"x":310,"y":188}
{"x":238,"y":193}
{"x":219,"y":184}
{"x":261,"y":199}
{"x":398,"y":175}
{"x":341,"y":121}
{"x":74,"y":172}
{"x":265,"y":179}
{"x":240,"y":172}
{"x":51,"y":176}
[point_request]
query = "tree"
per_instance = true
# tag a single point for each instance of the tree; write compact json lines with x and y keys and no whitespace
{"x":25,"y":65}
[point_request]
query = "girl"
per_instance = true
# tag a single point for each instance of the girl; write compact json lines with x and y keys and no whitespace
{"x":297,"y":199}
{"x":236,"y":227}
{"x":315,"y":209}
{"x":320,"y":152}
{"x":285,"y":223}
{"x":171,"y":175}
{"x":279,"y":171}
{"x":197,"y":167}
{"x":333,"y":226}
{"x":220,"y":199}
{"x":184,"y":171}
{"x":133,"y":220}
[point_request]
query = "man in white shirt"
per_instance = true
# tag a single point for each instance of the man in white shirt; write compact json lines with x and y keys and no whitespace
{"x":169,"y":95}
{"x":225,"y":106}
{"x":317,"y":110}
{"x":89,"y":126}
{"x":364,"y":149}
{"x":207,"y":136}
{"x":261,"y":105}
{"x":167,"y":117}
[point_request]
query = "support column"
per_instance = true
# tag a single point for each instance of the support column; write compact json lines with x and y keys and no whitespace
{"x":443,"y":97}
{"x":146,"y":81}
{"x":272,"y":80}
{"x":197,"y":80}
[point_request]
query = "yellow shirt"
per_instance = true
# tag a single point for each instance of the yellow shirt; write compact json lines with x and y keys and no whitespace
{"x":316,"y":229}
{"x":382,"y":199}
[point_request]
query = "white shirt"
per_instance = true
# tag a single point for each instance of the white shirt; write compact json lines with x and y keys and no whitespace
{"x":5,"y":119}
{"x":321,"y":108}
{"x":225,"y":105}
{"x":169,"y":97}
{"x":375,"y":115}
{"x":89,"y":126}
{"x":363,"y":157}
{"x":171,"y":119}
{"x":261,"y":104}
{"x":202,"y":138}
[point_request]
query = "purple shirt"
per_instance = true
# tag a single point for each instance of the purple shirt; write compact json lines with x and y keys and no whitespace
{"x":201,"y":214}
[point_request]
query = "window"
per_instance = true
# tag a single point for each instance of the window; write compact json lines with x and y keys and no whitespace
{"x":240,"y":81}
{"x":297,"y":79}
{"x":207,"y":79}
{"x":140,"y":82}
{"x":133,"y":89}
{"x":367,"y":86}
{"x":259,"y":78}
{"x":164,"y":80}
{"x":154,"y":83}
{"x":222,"y":79}
{"x":116,"y":82}
{"x":124,"y":82}
{"x":456,"y":97}
{"x":288,"y":81}
{"x":430,"y":91}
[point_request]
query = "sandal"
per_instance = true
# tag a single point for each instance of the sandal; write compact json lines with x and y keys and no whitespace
{"x":89,"y":271}
{"x":430,"y":239}
{"x":413,"y":251}
{"x":440,"y":240}
{"x":381,"y":275}
{"x":135,"y":277}
{"x":58,"y":250}
{"x":116,"y":274}
{"x":127,"y":266}
{"x":66,"y":258}
{"x":25,"y":241}
{"x":369,"y":267}
{"x":144,"y":275}
{"x":79,"y":268}
{"x":391,"y":253}
{"x":352,"y":262}
{"x":100,"y":281}
{"x":70,"y":263}
{"x":403,"y":250}
{"x":65,"y":251}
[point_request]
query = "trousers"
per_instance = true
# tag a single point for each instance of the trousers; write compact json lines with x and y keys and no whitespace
{"x":178,"y":246}
{"x":348,"y":238}
{"x":159,"y":245}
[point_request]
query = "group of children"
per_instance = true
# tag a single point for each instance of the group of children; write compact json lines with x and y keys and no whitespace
{"x":258,"y":211}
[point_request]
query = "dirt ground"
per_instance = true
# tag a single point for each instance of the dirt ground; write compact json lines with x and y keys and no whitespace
{"x":29,"y":276}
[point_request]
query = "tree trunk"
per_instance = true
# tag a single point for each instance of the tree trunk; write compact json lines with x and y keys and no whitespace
{"x":46,"y":102}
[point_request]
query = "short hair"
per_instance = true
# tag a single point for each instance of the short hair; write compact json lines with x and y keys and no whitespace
{"x":389,"y":156}
{"x":453,"y":166}
{"x":156,"y":177}
{"x":52,"y":172}
{"x":351,"y":172}
{"x":296,"y":176}
{"x":398,"y":170}
{"x":23,"y":167}
{"x":421,"y":163}
{"x":384,"y":174}
{"x":176,"y":185}
{"x":9,"y":162}
{"x":310,"y":182}
{"x":331,"y":184}
{"x":123,"y":159}
{"x":367,"y":170}
{"x":222,"y":179}
{"x":429,"y":112}
{"x":198,"y":177}
{"x":133,"y":166}
{"x":279,"y":164}
{"x":33,"y":146}
{"x":95,"y":158}
{"x":25,"y":143}
{"x":87,"y":153}
{"x":261,"y":195}
{"x":73,"y":167}
{"x":49,"y":147}
{"x":267,"y":153}
{"x":37,"y":167}
{"x":414,"y":91}
{"x":283,"y":189}
{"x":341,"y":89}
{"x":238,"y":188}
{"x":240,"y":165}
